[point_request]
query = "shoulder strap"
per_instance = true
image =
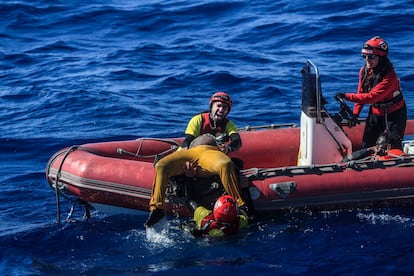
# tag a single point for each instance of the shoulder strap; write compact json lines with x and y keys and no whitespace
{"x":208,"y":127}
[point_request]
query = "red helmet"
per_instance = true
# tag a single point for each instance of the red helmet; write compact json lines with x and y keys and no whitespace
{"x":221,"y":97}
{"x":375,"y":46}
{"x":225,"y":209}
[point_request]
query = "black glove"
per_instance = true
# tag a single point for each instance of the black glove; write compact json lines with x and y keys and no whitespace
{"x":245,"y":211}
{"x":191,"y":227}
{"x":226,"y":148}
{"x":339,"y":96}
{"x":197,"y":232}
{"x":351,"y":123}
{"x":192,"y":205}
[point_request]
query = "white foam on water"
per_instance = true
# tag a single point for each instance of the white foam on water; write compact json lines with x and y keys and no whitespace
{"x":158,"y":236}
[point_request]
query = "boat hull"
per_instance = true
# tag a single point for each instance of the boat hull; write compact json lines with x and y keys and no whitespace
{"x":120,"y":174}
{"x":327,"y":187}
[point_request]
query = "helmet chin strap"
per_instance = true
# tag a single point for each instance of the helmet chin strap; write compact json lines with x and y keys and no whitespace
{"x":213,"y":120}
{"x":214,"y":124}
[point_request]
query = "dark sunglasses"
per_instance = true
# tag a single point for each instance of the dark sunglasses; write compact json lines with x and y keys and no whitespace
{"x":370,"y":57}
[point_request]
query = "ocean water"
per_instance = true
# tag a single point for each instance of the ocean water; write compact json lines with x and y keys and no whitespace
{"x":75,"y":72}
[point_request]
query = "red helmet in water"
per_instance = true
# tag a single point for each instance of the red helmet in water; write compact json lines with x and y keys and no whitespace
{"x":375,"y":46}
{"x":225,"y":209}
{"x":221,"y":97}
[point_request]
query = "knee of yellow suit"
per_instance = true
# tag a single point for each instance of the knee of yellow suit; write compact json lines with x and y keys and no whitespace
{"x":159,"y":167}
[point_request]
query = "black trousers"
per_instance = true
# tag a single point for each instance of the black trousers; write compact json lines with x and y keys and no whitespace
{"x":376,"y":125}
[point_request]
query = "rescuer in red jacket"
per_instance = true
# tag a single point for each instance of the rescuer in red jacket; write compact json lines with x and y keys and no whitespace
{"x":379,"y":86}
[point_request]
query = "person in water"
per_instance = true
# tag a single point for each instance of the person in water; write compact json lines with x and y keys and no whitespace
{"x":378,"y":86}
{"x":225,"y":219}
{"x":387,"y":146}
{"x":200,"y":157}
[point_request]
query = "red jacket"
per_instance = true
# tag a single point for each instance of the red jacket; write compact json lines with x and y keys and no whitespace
{"x":384,"y":91}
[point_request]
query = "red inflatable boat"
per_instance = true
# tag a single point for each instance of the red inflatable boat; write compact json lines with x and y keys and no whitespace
{"x":284,"y":166}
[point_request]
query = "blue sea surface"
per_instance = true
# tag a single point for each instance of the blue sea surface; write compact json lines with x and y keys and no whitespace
{"x":75,"y":72}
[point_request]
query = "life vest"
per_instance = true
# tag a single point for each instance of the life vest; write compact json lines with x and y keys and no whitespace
{"x":370,"y":78}
{"x":392,"y":153}
{"x":209,"y":127}
{"x":208,"y":224}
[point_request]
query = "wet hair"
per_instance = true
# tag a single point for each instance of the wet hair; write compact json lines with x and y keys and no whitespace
{"x":384,"y":66}
{"x":391,"y":138}
{"x":204,"y":139}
